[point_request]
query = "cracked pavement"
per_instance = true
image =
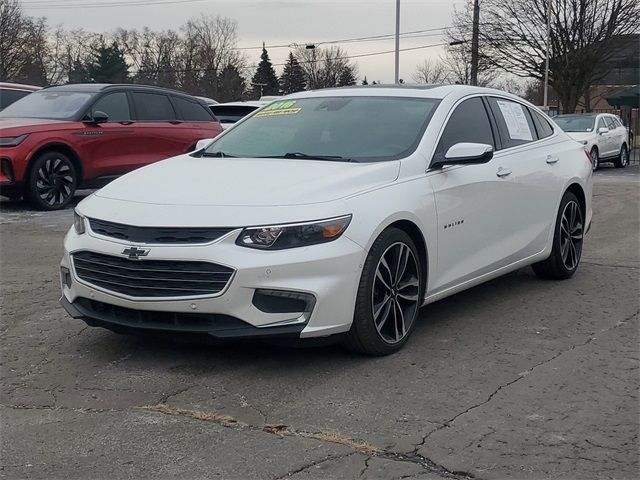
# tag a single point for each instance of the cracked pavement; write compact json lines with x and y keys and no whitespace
{"x":516,"y":378}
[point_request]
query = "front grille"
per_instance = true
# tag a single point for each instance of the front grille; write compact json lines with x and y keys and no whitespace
{"x":157,"y":234}
{"x":151,"y":278}
{"x":193,"y":322}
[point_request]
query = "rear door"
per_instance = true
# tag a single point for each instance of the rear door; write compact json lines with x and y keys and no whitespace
{"x":617,"y":134}
{"x":605,"y":141}
{"x":107,"y":148}
{"x":533,"y":157}
{"x":157,"y":128}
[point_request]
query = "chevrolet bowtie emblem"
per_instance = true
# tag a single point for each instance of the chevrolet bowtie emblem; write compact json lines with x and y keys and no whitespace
{"x":135,"y":252}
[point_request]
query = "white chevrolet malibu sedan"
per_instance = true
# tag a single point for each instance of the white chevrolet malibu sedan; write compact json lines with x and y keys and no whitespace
{"x":333,"y":212}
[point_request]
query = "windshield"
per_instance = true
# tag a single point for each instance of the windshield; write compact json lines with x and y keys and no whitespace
{"x":576,"y":123}
{"x":48,"y":104}
{"x":356,"y":128}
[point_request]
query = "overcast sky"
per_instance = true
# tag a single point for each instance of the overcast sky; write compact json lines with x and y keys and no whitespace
{"x":277,"y":22}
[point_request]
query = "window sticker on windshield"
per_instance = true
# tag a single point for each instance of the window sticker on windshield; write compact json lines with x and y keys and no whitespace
{"x":515,"y":119}
{"x":279,"y":108}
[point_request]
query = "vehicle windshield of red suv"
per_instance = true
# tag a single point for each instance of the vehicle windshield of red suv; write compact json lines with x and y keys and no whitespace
{"x":58,"y":105}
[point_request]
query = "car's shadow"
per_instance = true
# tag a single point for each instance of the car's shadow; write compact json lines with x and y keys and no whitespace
{"x":436,"y":320}
{"x":22,"y":206}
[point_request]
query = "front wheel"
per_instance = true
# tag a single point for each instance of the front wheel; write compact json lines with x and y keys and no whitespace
{"x":567,"y":242}
{"x":595,"y":158}
{"x":52,"y":181}
{"x":389,"y":295}
{"x":623,"y":159}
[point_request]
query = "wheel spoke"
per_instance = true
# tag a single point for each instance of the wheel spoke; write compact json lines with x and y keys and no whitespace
{"x":384,"y":317}
{"x":400,"y":318}
{"x":382,"y":280}
{"x":403,"y":258}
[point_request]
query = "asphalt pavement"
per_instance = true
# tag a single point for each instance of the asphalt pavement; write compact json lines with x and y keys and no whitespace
{"x":517,"y":378}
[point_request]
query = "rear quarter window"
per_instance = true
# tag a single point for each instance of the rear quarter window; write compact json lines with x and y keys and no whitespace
{"x":543,"y":126}
{"x":191,"y":111}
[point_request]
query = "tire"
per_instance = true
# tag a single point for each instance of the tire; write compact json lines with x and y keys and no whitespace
{"x":595,"y":159}
{"x":622,"y":160}
{"x":52,"y":181}
{"x":381,"y":306}
{"x":567,"y":249}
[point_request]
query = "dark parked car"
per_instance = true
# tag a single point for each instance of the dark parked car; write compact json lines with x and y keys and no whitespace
{"x":11,"y":92}
{"x":61,"y":138}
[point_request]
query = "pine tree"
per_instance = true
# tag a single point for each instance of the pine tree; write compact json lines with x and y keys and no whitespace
{"x":78,"y":72}
{"x":231,"y":85}
{"x":346,"y":77}
{"x":265,"y":81}
{"x":293,"y":78}
{"x":364,"y":82}
{"x":109,"y":65}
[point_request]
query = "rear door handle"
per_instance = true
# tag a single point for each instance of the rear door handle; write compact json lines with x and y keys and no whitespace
{"x":552,"y":159}
{"x":503,"y":172}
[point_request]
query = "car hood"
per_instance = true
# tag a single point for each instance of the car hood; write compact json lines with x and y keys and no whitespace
{"x":247,"y":182}
{"x":29,"y":124}
{"x":579,"y":136}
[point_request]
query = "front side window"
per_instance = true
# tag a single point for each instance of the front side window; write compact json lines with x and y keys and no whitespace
{"x":53,"y":104}
{"x":601,"y":123}
{"x":153,"y":107}
{"x":358,"y":128}
{"x":469,"y":123}
{"x":514,"y":122}
{"x":115,"y":105}
{"x":611,"y":125}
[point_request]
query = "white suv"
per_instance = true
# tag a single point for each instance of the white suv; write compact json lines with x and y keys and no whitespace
{"x":603,"y":136}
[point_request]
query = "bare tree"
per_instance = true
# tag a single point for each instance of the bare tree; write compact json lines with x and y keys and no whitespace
{"x":514,"y":34}
{"x":431,"y":71}
{"x":15,"y":36}
{"x":323,"y":67}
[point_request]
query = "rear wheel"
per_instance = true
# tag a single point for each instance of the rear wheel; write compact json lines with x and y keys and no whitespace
{"x":567,"y":241}
{"x":389,"y":294}
{"x":52,"y":181}
{"x":622,"y":159}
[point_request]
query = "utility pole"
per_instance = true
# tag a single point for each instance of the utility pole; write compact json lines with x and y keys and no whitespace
{"x":397,"y":77}
{"x":545,"y":100}
{"x":475,"y":44}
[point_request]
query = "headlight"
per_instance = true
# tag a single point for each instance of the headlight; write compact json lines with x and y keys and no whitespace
{"x":78,"y":223}
{"x":12,"y":141}
{"x":278,"y":237}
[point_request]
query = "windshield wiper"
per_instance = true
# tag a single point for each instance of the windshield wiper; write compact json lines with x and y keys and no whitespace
{"x":217,"y":153}
{"x":332,"y":158}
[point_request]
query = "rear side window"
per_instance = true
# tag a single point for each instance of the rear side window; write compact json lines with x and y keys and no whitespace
{"x":191,"y":111}
{"x":8,"y":96}
{"x":468,"y":123}
{"x":543,"y":126}
{"x":515,"y":124}
{"x":115,"y":105}
{"x":153,"y":107}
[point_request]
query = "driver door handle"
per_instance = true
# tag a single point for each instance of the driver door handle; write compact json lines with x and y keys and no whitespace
{"x":552,"y":159}
{"x":503,"y":172}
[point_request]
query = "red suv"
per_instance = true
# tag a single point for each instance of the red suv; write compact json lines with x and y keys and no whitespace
{"x":62,"y":138}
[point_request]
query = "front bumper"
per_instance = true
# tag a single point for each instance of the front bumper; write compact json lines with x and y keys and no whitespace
{"x":329,"y":273}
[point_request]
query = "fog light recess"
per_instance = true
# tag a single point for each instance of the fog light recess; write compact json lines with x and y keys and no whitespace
{"x":281,"y":301}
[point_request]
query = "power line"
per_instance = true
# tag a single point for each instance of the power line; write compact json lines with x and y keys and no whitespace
{"x":134,"y":3}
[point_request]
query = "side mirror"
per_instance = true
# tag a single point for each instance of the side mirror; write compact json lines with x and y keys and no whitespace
{"x":203,"y":143}
{"x":464,"y":154}
{"x":98,"y":117}
{"x":602,"y":130}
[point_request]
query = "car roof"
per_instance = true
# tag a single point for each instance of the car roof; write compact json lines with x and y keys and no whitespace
{"x":19,"y":86}
{"x":436,"y":91}
{"x":100,"y":87}
{"x":250,"y":103}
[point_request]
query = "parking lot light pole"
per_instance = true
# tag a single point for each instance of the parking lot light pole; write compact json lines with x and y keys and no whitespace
{"x":397,"y":76}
